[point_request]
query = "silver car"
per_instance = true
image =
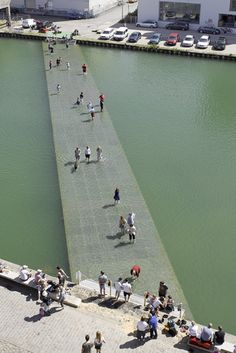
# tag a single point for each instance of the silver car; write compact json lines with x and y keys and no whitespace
{"x":147,"y":24}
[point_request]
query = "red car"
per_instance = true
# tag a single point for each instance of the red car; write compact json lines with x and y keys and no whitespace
{"x":172,"y":39}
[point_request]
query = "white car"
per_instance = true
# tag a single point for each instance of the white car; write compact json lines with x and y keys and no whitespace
{"x":188,"y":41}
{"x":203,"y":42}
{"x":107,"y":33}
{"x":147,"y":24}
{"x":120,"y":34}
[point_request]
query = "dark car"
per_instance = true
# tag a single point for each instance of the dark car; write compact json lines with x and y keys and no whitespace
{"x":173,"y":39}
{"x":183,"y":26}
{"x":134,"y":37}
{"x":220,"y":44}
{"x":209,"y":30}
{"x":155,"y":38}
{"x":44,"y":24}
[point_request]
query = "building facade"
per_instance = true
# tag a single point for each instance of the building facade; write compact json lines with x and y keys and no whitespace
{"x":65,"y":7}
{"x":219,"y":13}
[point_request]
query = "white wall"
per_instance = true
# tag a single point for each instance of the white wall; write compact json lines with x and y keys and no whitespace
{"x":98,"y":6}
{"x":210,"y":9}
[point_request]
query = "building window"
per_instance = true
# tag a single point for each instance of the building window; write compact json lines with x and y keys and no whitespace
{"x":170,"y":10}
{"x":232,"y":5}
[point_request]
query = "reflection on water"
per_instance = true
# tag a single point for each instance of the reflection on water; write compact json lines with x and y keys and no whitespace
{"x":176,"y":120}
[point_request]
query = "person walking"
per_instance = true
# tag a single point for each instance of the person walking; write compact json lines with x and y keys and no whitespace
{"x":68,"y":65}
{"x":77,"y":153}
{"x":127,"y":290}
{"x":132,"y":233}
{"x":84,"y":69}
{"x":87,"y":154}
{"x":101,"y":100}
{"x":98,"y":341}
{"x":102,"y":279}
{"x":89,"y":106}
{"x":122,"y":225}
{"x":92,"y":112}
{"x":118,"y":287}
{"x":116,"y":196}
{"x":50,"y":65}
{"x":130,"y":219}
{"x":58,"y":88}
{"x":81,"y":97}
{"x":99,"y":153}
{"x":87,"y":345}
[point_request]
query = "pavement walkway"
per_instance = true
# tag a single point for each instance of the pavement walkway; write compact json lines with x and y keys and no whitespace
{"x":90,"y":217}
{"x":21,"y":330}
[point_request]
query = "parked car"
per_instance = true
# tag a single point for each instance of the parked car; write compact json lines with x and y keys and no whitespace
{"x":220,"y":44}
{"x":188,"y":41}
{"x":155,"y":38}
{"x":107,"y":33}
{"x":203,"y":42}
{"x":120,"y":34}
{"x":148,"y":24}
{"x":183,"y":26}
{"x":29,"y":22}
{"x":209,"y":30}
{"x":134,"y":37}
{"x":44,"y":24}
{"x":173,"y":38}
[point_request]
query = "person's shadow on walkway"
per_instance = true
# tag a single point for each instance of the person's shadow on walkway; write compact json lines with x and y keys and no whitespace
{"x":108,"y":205}
{"x":115,"y":236}
{"x":133,"y":344}
{"x":122,"y":243}
{"x":33,"y":318}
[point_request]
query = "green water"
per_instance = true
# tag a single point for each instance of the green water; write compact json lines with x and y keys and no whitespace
{"x":31,"y":227}
{"x":176,"y":120}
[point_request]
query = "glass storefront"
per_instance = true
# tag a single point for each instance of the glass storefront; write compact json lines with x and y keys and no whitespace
{"x":179,"y":11}
{"x":227,"y":21}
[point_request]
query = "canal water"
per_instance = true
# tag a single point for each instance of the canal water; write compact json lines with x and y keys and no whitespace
{"x":176,"y":120}
{"x":31,"y":227}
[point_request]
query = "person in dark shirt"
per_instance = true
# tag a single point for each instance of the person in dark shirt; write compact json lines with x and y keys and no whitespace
{"x":162,"y":289}
{"x":86,"y":346}
{"x":219,"y":336}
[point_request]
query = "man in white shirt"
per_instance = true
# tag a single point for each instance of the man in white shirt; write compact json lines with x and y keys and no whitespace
{"x":193,"y":330}
{"x":127,"y":290}
{"x":142,"y":327}
{"x":24,"y":273}
{"x":118,"y":287}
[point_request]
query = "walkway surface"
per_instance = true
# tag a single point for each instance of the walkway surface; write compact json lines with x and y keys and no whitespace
{"x":91,"y":219}
{"x":21,"y":330}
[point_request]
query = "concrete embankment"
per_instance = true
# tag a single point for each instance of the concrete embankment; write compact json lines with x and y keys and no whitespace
{"x":229,"y":55}
{"x":91,"y":220}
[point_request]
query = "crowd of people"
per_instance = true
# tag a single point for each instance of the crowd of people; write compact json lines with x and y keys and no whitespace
{"x":48,"y":290}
